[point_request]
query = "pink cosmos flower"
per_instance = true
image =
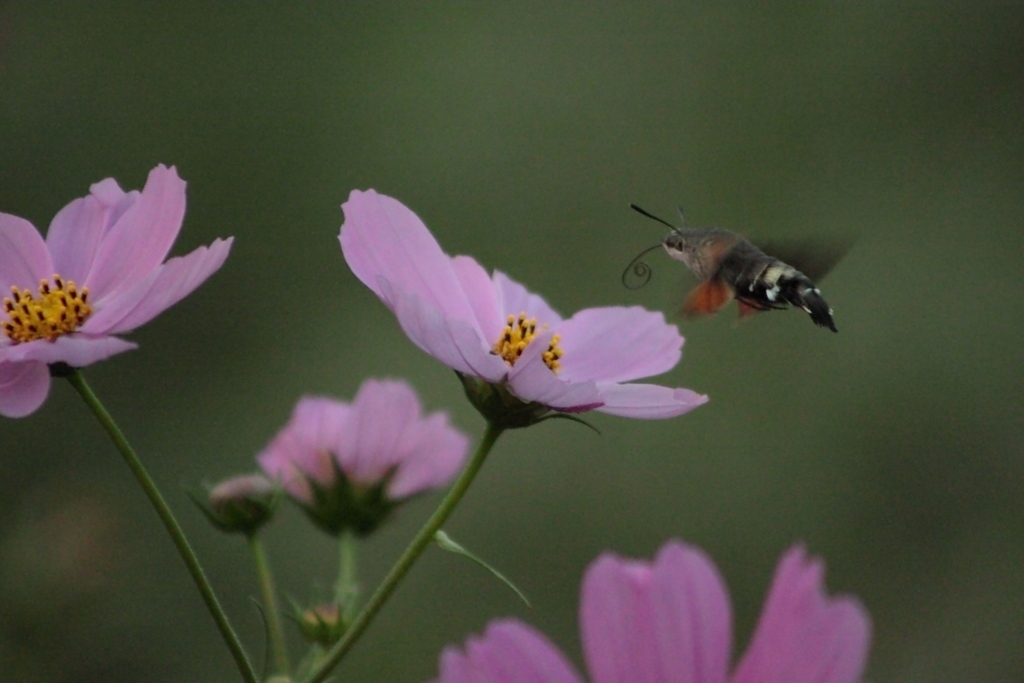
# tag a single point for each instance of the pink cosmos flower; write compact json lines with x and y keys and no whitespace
{"x":669,"y":622}
{"x":491,"y":327}
{"x":99,"y":273}
{"x":348,"y":465}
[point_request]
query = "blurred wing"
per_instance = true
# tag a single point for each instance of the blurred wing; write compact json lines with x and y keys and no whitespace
{"x":707,"y":298}
{"x":814,"y":258}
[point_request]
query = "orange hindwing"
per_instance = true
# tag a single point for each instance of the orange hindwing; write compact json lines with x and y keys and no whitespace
{"x":707,"y":298}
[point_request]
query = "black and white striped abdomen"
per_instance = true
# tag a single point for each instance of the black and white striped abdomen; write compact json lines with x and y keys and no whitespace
{"x":776,"y":284}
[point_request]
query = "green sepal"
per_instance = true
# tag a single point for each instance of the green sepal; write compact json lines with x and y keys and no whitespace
{"x":499,"y":406}
{"x":239,"y":515}
{"x":345,"y":506}
{"x":323,"y":624}
{"x":571,"y":418}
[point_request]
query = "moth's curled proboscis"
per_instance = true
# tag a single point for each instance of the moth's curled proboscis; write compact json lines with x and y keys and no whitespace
{"x":639,"y":272}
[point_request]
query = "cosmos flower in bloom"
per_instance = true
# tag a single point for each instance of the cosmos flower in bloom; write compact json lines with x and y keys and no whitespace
{"x":490,"y":327}
{"x":349,"y":465}
{"x":99,"y":273}
{"x":670,"y":622}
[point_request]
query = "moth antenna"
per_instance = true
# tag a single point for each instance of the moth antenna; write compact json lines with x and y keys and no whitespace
{"x":643,"y":212}
{"x":639,"y":269}
{"x":682,"y":218}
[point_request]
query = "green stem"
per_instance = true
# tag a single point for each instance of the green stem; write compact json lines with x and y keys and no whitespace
{"x":270,"y":606}
{"x":408,"y":558}
{"x":346,"y":590}
{"x":170,"y":523}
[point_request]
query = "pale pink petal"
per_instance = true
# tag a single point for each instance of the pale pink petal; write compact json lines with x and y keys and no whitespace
{"x":666,"y":622}
{"x":803,"y":635}
{"x":432,"y":452}
{"x":139,"y":241}
{"x":320,"y":424}
{"x":23,"y":388}
{"x":454,"y":342}
{"x":532,"y":380}
{"x":381,"y":238}
{"x":108,"y":193}
{"x":647,"y":401}
{"x":279,"y":459}
{"x":508,"y":652}
{"x":75,"y":350}
{"x":305,"y":448}
{"x":24,"y":259}
{"x":117,"y":306}
{"x":388,"y":434}
{"x":616,"y":344}
{"x":513,"y":299}
{"x":169,"y":284}
{"x":382,"y":411}
{"x":481,"y":295}
{"x":74,"y":236}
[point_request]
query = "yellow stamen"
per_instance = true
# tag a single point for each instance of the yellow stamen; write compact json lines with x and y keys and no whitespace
{"x":59,"y":309}
{"x":519,"y":332}
{"x":553,"y":353}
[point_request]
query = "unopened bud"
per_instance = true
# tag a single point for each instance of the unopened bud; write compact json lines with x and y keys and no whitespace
{"x":241,"y":504}
{"x":322,"y":624}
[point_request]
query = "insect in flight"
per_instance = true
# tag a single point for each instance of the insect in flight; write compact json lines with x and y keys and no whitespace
{"x":730,"y":267}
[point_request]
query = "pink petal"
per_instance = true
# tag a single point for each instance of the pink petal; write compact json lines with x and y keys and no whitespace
{"x":666,"y":622}
{"x":320,"y":426}
{"x":24,"y":259}
{"x":454,"y":342}
{"x":23,"y":388}
{"x":647,"y":401}
{"x":531,"y":380}
{"x":116,"y":307}
{"x":481,"y":295}
{"x":139,"y":241}
{"x":508,"y":652}
{"x":169,"y":284}
{"x":75,"y":235}
{"x":381,"y":413}
{"x":803,"y":635}
{"x":108,"y":193}
{"x":433,"y":453}
{"x":75,"y":349}
{"x":305,"y":447}
{"x":514,"y":298}
{"x":616,"y":344}
{"x":279,"y":459}
{"x":381,"y":238}
{"x":386,"y":432}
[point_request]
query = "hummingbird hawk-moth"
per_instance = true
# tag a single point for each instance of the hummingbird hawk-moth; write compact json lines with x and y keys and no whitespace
{"x":730,"y":267}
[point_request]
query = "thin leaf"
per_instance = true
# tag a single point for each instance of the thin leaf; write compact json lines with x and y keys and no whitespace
{"x":446,"y":543}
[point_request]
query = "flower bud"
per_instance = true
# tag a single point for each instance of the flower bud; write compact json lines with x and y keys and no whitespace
{"x":241,"y":504}
{"x":322,"y":624}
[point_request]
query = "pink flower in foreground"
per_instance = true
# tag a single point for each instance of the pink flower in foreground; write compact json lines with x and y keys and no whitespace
{"x":99,"y":273}
{"x":670,"y":622}
{"x":490,"y":327}
{"x":349,"y":465}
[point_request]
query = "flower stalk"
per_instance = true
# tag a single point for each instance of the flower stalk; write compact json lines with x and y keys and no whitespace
{"x":412,"y":553}
{"x":170,"y":523}
{"x":272,"y":610}
{"x":346,"y":590}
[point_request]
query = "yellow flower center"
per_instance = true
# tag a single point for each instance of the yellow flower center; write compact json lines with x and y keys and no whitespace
{"x":59,"y":309}
{"x":519,"y":332}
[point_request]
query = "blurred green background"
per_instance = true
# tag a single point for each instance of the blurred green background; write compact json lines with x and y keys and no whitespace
{"x":520,"y":134}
